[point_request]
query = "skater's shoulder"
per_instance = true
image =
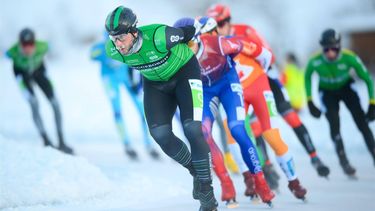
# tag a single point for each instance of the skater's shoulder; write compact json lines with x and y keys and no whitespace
{"x":41,"y":46}
{"x":348,"y":53}
{"x":12,"y":50}
{"x":151,"y":27}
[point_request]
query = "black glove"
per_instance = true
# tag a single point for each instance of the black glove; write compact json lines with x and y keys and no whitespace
{"x":370,"y":116}
{"x":134,"y":88}
{"x":314,"y":110}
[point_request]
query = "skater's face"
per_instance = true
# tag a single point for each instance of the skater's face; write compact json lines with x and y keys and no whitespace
{"x":331,"y":53}
{"x":223,"y":27}
{"x":124,"y":42}
{"x":28,"y":48}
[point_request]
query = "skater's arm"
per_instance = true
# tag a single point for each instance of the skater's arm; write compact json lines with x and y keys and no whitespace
{"x":256,"y":50}
{"x":96,"y":52}
{"x":308,"y":73}
{"x":230,"y":45}
{"x":11,"y":53}
{"x":42,"y":47}
{"x":264,"y":58}
{"x":171,"y":36}
{"x":363,"y":73}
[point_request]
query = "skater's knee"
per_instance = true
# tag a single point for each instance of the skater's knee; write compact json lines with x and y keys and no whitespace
{"x":284,"y":108}
{"x":256,"y":127}
{"x":336,"y":138}
{"x":238,"y":130}
{"x":362,"y":124}
{"x":55,"y":103}
{"x":192,"y":129}
{"x":292,"y":119}
{"x":162,"y":134}
{"x":33,"y":102}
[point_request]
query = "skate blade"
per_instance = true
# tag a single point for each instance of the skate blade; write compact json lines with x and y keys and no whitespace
{"x":255,"y":199}
{"x":304,"y":200}
{"x":201,"y":209}
{"x":277,"y":191}
{"x":269,"y":204}
{"x":231,"y":204}
{"x":353,"y":177}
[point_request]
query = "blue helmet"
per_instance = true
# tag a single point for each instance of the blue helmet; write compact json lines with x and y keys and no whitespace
{"x":184,"y":22}
{"x":208,"y":24}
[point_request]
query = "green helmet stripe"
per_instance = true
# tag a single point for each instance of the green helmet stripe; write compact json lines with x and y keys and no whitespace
{"x":117,"y":17}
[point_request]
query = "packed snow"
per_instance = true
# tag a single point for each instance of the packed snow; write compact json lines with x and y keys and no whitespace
{"x":32,"y":175}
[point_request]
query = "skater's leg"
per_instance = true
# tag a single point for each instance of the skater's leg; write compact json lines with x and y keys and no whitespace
{"x":25,"y":82}
{"x":235,"y":150}
{"x":256,"y":127}
{"x":232,"y":101}
{"x":272,"y":135}
{"x":159,"y":109}
{"x":46,"y":86}
{"x":210,"y":109}
{"x":111,"y":87}
{"x":189,"y":95}
{"x":330,"y":101}
{"x":223,"y":137}
{"x":331,"y":107}
{"x":352,"y":101}
{"x":233,"y":159}
{"x":291,"y":117}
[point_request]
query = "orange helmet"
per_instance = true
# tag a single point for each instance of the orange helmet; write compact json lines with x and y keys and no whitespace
{"x":219,"y":12}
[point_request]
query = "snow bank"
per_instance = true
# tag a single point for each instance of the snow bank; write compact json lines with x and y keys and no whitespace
{"x":33,"y":175}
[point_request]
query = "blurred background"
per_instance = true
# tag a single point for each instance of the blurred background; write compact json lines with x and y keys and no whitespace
{"x":72,"y":27}
{"x":288,"y":25}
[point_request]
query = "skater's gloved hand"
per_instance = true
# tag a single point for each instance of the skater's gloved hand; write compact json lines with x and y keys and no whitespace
{"x":314,"y":111}
{"x":198,"y":27}
{"x":134,"y":88}
{"x":371,"y":112}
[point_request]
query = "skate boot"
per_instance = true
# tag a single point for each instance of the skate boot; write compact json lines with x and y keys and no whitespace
{"x":46,"y":141}
{"x":66,"y":149}
{"x":206,"y":197}
{"x":322,"y":169}
{"x":348,"y":169}
{"x":298,"y":191}
{"x":250,"y":186}
{"x":271,"y":176}
{"x":262,"y":189}
{"x":230,"y":163}
{"x":154,"y":154}
{"x":62,"y":146}
{"x":131,"y":153}
{"x":228,"y":194}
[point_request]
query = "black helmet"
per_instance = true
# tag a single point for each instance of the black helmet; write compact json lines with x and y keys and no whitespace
{"x":27,"y":36}
{"x":330,"y":38}
{"x":122,"y":20}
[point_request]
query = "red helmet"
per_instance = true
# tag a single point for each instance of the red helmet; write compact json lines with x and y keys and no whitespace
{"x":219,"y":12}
